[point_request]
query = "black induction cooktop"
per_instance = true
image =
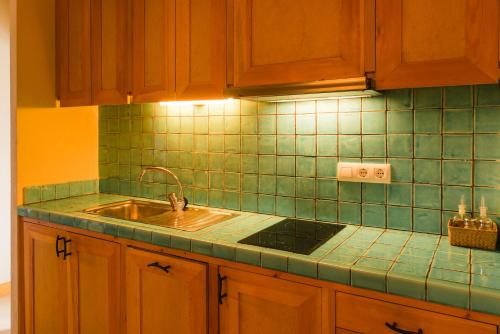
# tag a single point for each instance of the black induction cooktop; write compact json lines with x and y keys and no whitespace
{"x":293,"y":235}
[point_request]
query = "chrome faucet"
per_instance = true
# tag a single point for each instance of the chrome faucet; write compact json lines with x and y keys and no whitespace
{"x":178,"y":204}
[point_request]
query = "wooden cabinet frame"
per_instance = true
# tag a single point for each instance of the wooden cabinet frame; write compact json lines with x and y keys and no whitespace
{"x":329,"y":289}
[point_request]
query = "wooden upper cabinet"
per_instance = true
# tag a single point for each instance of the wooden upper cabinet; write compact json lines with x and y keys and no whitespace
{"x":109,"y":51}
{"x":436,"y":43}
{"x":283,"y":42}
{"x":200,"y":49}
{"x":153,"y":50}
{"x":74,"y":52}
{"x":165,"y":294}
{"x":261,"y":304}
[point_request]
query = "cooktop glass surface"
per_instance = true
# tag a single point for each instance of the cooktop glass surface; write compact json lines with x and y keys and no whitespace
{"x":293,"y":235}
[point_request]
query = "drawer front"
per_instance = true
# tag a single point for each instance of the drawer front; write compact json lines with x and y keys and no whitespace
{"x":369,"y":316}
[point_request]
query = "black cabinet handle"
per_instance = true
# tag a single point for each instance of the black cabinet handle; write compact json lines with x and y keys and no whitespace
{"x":159,"y":266}
{"x":66,"y":253}
{"x":394,"y":327}
{"x":219,"y":288}
{"x":59,"y":238}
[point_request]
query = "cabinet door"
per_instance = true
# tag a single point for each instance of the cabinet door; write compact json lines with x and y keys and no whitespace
{"x":200,"y":49}
{"x":109,"y":51}
{"x":73,"y":52}
{"x":436,"y":43}
{"x":261,"y":304}
{"x":165,"y":294}
{"x":153,"y":50}
{"x":280,"y":42}
{"x":95,"y":285}
{"x":45,"y":282}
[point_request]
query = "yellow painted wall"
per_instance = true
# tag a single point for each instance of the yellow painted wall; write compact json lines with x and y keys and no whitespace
{"x":56,"y":145}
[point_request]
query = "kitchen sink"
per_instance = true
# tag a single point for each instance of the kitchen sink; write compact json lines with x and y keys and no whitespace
{"x":190,"y":219}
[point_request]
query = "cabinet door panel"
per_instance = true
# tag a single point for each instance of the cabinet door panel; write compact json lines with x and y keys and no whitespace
{"x":279,"y":42}
{"x":95,"y":285}
{"x":45,"y":282}
{"x":430,"y":43}
{"x":165,"y":302}
{"x":73,"y":52}
{"x":261,"y":304}
{"x":200,"y":49}
{"x":109,"y":51}
{"x":153,"y":50}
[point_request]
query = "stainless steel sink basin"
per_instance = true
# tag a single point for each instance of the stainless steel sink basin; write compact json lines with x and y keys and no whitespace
{"x":190,"y":219}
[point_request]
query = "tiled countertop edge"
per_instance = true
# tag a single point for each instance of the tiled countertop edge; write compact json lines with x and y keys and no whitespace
{"x":322,"y":264}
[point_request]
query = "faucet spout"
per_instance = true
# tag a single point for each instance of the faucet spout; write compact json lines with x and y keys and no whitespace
{"x":177,"y":203}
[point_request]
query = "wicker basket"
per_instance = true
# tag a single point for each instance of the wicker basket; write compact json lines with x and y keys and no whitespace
{"x":474,"y":238}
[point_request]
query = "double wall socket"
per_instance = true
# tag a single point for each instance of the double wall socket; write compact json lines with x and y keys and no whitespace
{"x":360,"y":172}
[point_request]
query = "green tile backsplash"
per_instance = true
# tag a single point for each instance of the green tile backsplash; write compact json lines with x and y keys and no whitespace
{"x":280,"y":158}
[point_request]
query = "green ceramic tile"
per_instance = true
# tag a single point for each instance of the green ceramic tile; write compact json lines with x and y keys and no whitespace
{"x":400,"y":122}
{"x":232,"y":144}
{"x":32,"y":195}
{"x":303,"y":267}
{"x":62,"y":190}
{"x":232,"y":181}
{"x":427,"y":196}
{"x":249,"y":163}
{"x":452,"y":197}
{"x":374,"y":146}
{"x":406,"y":285}
{"x":306,"y":124}
{"x":348,"y":105}
{"x":248,"y":256}
{"x":350,"y":213}
{"x":487,"y":120}
{"x":326,"y":211}
{"x":428,"y":146}
{"x":285,"y":108}
{"x":458,"y":97}
{"x":427,"y":221}
{"x":326,"y":189}
{"x":306,"y":166}
{"x":48,"y":193}
{"x":485,"y":300}
{"x":376,"y":103}
{"x":486,"y":173}
{"x":248,"y":107}
{"x":249,"y":125}
{"x":401,"y":170}
{"x":349,"y":123}
{"x":399,"y":99}
{"x":457,"y":147}
{"x":370,"y":274}
{"x":457,"y":121}
{"x":285,"y":124}
{"x":306,"y":145}
{"x":399,"y":194}
{"x":285,"y":186}
{"x":488,"y":95}
{"x":249,"y":202}
{"x":267,"y":144}
{"x":286,"y":145}
{"x":374,"y":122}
{"x":335,"y":272}
{"x":232,"y":125}
{"x":487,"y":146}
{"x":428,"y":98}
{"x":427,"y":171}
{"x":305,"y":208}
{"x":373,"y":215}
{"x":267,"y":124}
{"x":327,"y":145}
{"x":285,"y":206}
{"x":327,"y":106}
{"x":349,"y":146}
{"x":232,"y":200}
{"x":326,"y":167}
{"x":249,"y":183}
{"x":305,"y":187}
{"x":305,"y":107}
{"x":267,"y":164}
{"x":267,"y":204}
{"x":373,"y":193}
{"x":492,"y":197}
{"x":267,"y":184}
{"x":456,"y":172}
{"x":274,"y":261}
{"x":350,"y":191}
{"x":201,"y":197}
{"x":285,"y":165}
{"x":400,"y":146}
{"x":327,"y":123}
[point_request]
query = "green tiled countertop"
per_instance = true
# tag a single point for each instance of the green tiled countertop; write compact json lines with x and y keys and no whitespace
{"x":410,"y":264}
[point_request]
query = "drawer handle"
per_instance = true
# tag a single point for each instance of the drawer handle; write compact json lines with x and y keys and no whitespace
{"x":58,"y":251}
{"x":220,"y":295}
{"x":395,"y":328}
{"x":159,"y":266}
{"x":66,"y":253}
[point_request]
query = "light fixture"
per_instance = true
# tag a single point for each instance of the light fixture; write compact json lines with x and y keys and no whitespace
{"x":194,"y":103}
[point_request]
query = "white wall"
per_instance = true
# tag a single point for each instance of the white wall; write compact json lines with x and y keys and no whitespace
{"x":5,"y":192}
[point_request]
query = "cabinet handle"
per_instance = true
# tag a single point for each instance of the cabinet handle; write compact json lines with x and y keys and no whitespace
{"x":394,"y":327}
{"x":59,"y":238}
{"x":220,"y":279}
{"x":66,"y":253}
{"x":159,"y":266}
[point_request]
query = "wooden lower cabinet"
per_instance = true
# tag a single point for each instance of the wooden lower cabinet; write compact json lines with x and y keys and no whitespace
{"x":165,"y":294}
{"x":76,"y":293}
{"x":355,"y":314}
{"x":256,"y":304}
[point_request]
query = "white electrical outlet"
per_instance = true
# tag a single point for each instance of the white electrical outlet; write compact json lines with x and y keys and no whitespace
{"x":361,"y":172}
